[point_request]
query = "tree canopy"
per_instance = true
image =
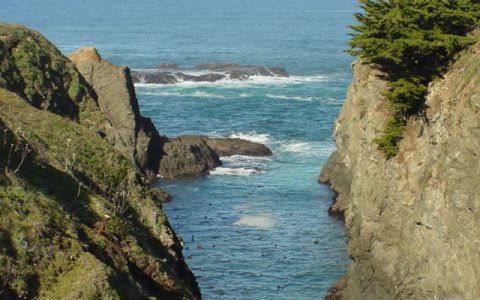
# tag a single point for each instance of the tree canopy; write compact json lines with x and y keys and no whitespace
{"x":412,"y":42}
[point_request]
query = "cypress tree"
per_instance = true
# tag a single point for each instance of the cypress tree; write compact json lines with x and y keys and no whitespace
{"x":412,"y":42}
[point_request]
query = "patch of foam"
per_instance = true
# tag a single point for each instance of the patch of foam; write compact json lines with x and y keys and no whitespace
{"x":221,"y":171}
{"x":284,"y":97}
{"x":320,"y":149}
{"x":253,"y":136}
{"x":263,"y":222}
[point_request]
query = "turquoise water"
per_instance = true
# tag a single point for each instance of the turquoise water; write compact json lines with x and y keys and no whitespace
{"x":257,"y":228}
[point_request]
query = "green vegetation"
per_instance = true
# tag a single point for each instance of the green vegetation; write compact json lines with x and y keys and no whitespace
{"x":74,"y":220}
{"x":412,"y":42}
{"x":35,"y":70}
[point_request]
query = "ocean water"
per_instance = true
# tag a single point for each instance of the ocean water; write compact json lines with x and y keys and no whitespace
{"x":257,"y":228}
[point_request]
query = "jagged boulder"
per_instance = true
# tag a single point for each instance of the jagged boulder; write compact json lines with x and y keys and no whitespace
{"x":131,"y":134}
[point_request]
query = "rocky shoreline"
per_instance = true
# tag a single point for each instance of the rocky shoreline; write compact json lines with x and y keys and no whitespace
{"x":77,"y":159}
{"x":136,"y":136}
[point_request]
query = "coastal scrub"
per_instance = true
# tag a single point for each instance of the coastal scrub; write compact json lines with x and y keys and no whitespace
{"x":412,"y":42}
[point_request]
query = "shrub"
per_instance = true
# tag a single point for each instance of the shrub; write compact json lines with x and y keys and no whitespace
{"x":412,"y":42}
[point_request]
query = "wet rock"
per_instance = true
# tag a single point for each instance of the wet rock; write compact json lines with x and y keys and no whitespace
{"x":236,"y":146}
{"x":187,"y":157}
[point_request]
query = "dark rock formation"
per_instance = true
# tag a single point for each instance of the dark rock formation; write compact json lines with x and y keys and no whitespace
{"x":235,"y":146}
{"x":131,"y":134}
{"x":169,"y":73}
{"x":187,"y":157}
{"x":191,"y":156}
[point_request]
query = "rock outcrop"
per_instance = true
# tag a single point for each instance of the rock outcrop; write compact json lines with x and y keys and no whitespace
{"x":413,"y":221}
{"x":131,"y":134}
{"x":137,"y":138}
{"x":192,"y":156}
{"x":187,"y":157}
{"x":77,"y":222}
{"x":170,"y":73}
{"x":236,"y":146}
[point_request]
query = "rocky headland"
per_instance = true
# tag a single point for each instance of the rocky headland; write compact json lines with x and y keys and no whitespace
{"x":170,"y":73}
{"x":413,"y":220}
{"x":137,"y":138}
{"x":79,"y":217}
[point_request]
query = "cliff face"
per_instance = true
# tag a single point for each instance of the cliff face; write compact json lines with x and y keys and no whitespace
{"x":131,"y":134}
{"x":76,"y":220}
{"x":413,"y":221}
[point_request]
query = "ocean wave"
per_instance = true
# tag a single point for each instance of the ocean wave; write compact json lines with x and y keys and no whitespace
{"x":306,"y":148}
{"x":264,"y":222}
{"x":251,"y":81}
{"x":222,"y":171}
{"x":196,"y":94}
{"x":285,"y":97}
{"x":253,"y":136}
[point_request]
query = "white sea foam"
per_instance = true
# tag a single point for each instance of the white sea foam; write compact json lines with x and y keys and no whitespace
{"x":251,"y":81}
{"x":235,"y":172}
{"x":196,"y":94}
{"x":264,"y":222}
{"x":253,"y":136}
{"x":307,"y":148}
{"x":284,"y":97}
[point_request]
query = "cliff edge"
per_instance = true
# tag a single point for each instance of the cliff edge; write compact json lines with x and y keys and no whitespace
{"x":413,"y":221}
{"x":77,"y":219}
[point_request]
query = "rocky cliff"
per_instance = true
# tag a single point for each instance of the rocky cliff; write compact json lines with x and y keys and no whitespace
{"x":413,"y":221}
{"x":76,"y":219}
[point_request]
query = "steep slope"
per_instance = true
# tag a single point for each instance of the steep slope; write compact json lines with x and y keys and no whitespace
{"x":77,"y":220}
{"x":413,"y":221}
{"x":131,"y":134}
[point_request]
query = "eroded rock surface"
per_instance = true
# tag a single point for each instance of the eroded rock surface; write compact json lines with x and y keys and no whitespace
{"x":131,"y":134}
{"x":413,"y":221}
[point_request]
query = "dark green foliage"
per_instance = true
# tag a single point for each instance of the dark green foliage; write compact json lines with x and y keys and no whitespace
{"x":412,"y":42}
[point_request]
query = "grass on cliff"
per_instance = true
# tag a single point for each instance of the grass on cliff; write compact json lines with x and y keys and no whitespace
{"x":33,"y":68}
{"x":413,"y":43}
{"x":58,"y":180}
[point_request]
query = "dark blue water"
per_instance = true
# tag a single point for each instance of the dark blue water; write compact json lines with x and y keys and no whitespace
{"x":256,"y":228}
